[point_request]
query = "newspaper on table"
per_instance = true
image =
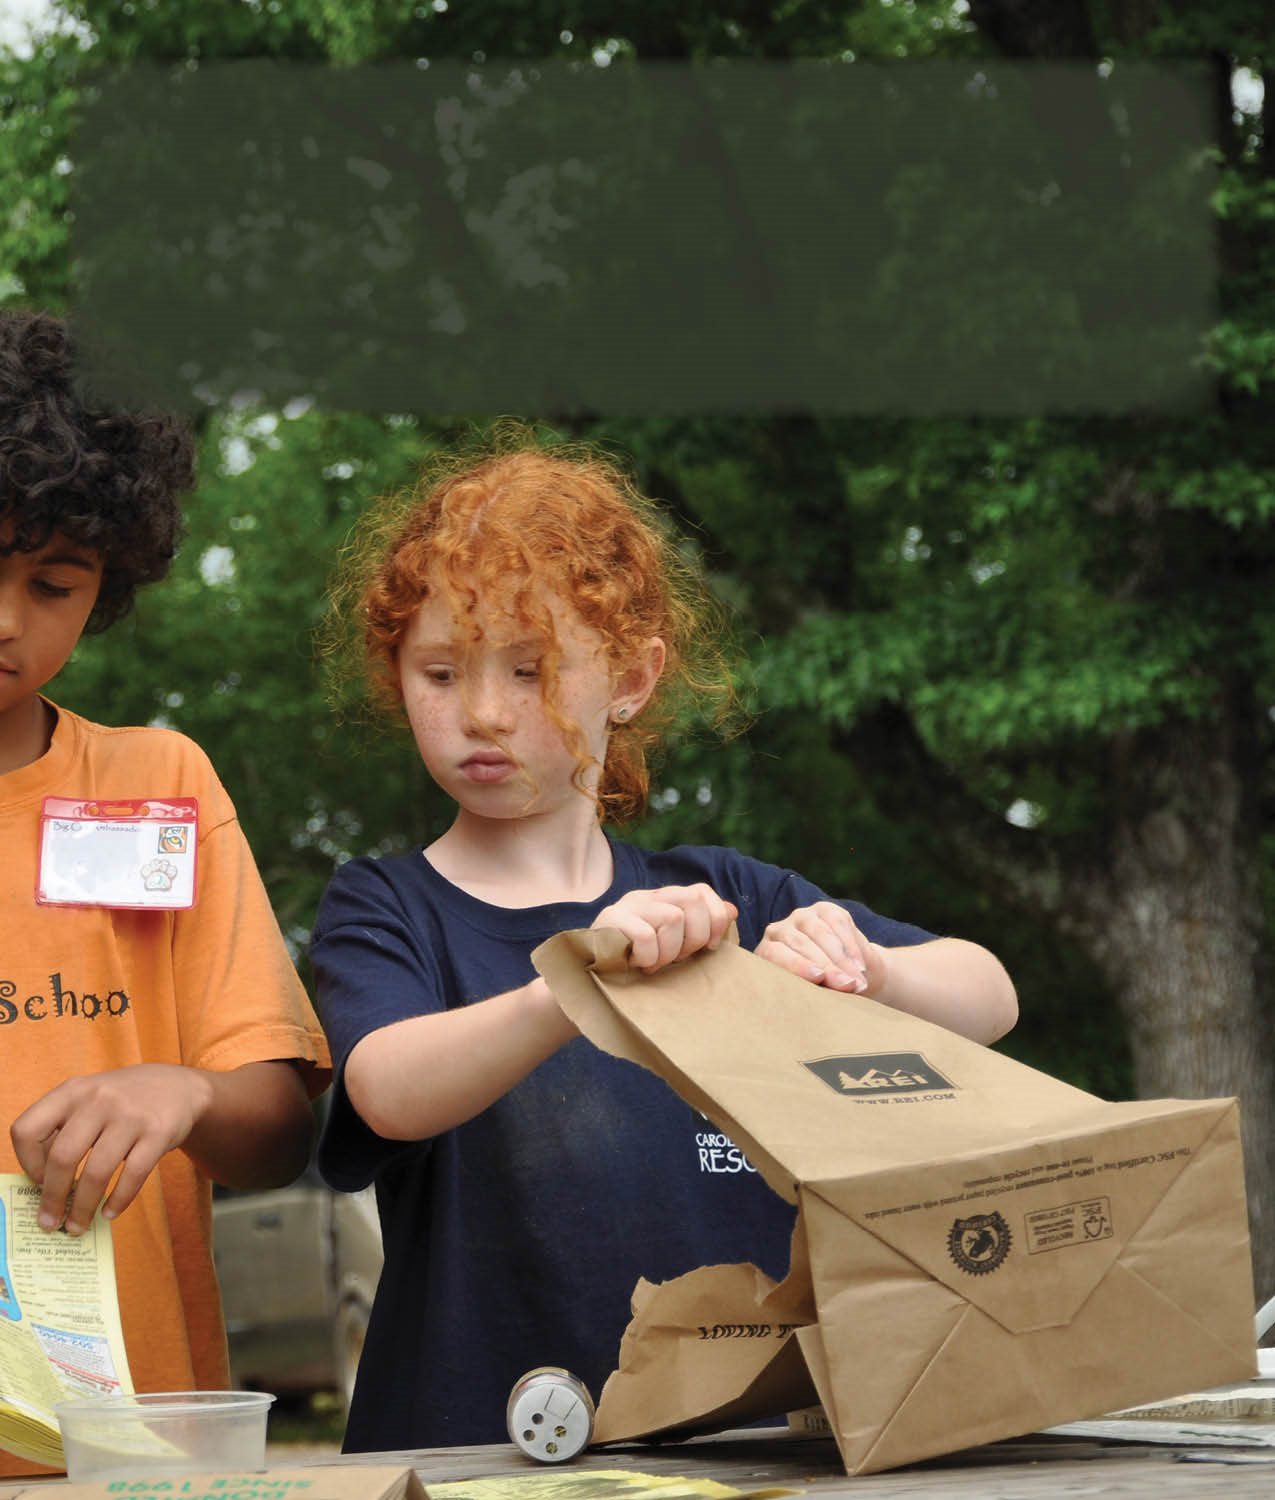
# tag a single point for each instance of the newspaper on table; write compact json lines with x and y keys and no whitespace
{"x":60,"y":1334}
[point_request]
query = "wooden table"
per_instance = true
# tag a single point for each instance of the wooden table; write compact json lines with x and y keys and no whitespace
{"x":1023,"y":1469}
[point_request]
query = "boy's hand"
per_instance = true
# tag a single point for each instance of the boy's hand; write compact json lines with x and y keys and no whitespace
{"x":94,"y":1125}
{"x":821,"y":943}
{"x":671,"y":923}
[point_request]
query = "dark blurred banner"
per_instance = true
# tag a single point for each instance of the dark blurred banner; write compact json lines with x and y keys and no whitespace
{"x":550,"y":238}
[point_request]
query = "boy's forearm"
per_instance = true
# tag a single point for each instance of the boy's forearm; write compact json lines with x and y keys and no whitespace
{"x":419,"y":1077}
{"x":956,"y":984}
{"x":255,"y":1126}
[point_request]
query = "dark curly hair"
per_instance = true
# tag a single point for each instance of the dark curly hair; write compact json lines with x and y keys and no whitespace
{"x":107,"y":479}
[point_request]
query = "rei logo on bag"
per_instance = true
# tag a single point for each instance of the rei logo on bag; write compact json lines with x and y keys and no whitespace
{"x":880,"y":1074}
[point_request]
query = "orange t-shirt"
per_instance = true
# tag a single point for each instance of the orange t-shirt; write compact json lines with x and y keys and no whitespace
{"x":84,"y":989}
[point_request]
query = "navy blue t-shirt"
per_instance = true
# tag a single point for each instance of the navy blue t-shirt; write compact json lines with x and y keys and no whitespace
{"x":516,"y":1239}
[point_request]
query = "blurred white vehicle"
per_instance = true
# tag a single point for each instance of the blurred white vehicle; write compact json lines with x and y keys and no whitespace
{"x":298,"y":1268}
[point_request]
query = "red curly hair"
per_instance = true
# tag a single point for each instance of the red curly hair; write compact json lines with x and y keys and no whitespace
{"x":520,"y":525}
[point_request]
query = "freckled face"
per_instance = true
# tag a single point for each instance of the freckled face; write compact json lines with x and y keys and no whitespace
{"x":478,"y":713}
{"x":46,"y":596}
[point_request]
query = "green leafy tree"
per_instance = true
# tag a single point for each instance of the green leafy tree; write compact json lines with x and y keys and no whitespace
{"x":1024,"y":664}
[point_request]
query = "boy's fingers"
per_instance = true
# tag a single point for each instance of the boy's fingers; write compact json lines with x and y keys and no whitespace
{"x":74,"y":1140}
{"x":69,"y":1148}
{"x":32,"y":1152}
{"x":34,"y":1132}
{"x":81,"y":1206}
{"x":58,"y":1200}
{"x":112,"y":1147}
{"x":140,"y":1162}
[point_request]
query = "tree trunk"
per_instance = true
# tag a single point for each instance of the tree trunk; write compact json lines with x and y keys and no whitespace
{"x":1166,"y":900}
{"x":1177,"y":928}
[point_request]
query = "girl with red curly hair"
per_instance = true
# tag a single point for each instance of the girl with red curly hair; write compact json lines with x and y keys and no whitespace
{"x":535,"y":620}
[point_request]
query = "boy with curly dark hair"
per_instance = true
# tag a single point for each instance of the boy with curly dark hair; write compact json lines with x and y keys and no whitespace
{"x":146,"y":1048}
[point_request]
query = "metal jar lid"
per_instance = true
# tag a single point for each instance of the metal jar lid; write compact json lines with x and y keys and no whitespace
{"x":550,"y":1414}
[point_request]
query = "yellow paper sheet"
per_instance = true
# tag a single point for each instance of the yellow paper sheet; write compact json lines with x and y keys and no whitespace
{"x":553,"y":1483}
{"x":60,"y":1334}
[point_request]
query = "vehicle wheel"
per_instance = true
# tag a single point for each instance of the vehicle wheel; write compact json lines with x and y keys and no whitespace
{"x":349,"y":1334}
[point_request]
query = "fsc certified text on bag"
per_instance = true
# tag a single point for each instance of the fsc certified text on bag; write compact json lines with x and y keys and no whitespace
{"x":980,"y":1251}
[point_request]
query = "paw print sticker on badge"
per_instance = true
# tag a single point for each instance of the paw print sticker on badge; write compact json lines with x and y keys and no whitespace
{"x":158,"y":875}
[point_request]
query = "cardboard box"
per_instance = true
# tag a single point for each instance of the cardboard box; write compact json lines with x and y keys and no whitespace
{"x":337,"y":1481}
{"x":981,"y":1250}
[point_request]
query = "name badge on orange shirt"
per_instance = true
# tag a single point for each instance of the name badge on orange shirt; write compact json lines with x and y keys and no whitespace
{"x":135,"y":853}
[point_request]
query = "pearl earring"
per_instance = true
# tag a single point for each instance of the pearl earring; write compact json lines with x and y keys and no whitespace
{"x":621,"y":714}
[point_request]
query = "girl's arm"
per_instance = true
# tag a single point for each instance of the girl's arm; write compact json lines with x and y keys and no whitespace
{"x":416,"y":1078}
{"x":419,"y":1077}
{"x":954,"y":983}
{"x":951,"y":982}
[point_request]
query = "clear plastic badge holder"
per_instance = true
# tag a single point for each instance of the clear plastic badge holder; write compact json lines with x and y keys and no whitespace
{"x":134,"y":853}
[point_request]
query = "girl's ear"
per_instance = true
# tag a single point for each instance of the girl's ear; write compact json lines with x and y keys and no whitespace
{"x":637,"y":682}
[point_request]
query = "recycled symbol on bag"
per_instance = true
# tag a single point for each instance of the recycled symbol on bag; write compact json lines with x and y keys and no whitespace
{"x":979,"y":1244}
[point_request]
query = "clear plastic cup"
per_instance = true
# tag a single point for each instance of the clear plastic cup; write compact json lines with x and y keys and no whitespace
{"x":166,"y":1432}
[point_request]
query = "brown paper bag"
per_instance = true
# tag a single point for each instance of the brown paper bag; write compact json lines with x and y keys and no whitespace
{"x":981,"y":1250}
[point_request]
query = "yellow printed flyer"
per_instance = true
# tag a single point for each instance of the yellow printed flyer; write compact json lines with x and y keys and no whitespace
{"x":60,"y":1334}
